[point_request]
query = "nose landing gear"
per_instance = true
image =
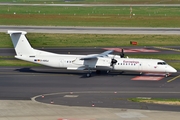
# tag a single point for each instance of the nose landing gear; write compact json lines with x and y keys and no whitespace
{"x":167,"y":75}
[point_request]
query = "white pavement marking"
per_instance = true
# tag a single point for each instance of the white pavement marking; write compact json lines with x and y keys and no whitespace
{"x":71,"y":96}
{"x":131,"y":115}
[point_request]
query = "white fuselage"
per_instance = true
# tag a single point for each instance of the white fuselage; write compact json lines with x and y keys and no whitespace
{"x":73,"y":62}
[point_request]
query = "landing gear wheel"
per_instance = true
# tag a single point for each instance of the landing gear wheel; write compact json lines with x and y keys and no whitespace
{"x":88,"y":75}
{"x":167,"y":75}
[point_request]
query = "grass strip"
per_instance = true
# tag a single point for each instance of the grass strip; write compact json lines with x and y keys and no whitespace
{"x":90,"y":16}
{"x":39,"y":40}
{"x":170,"y":101}
{"x":14,"y":62}
{"x":94,"y":1}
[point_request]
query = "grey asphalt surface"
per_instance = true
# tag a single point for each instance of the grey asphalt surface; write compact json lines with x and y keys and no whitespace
{"x":23,"y":83}
{"x":103,"y":90}
{"x":92,"y":30}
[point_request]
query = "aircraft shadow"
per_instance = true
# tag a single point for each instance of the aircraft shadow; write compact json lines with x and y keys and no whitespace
{"x":30,"y":70}
{"x":82,"y":74}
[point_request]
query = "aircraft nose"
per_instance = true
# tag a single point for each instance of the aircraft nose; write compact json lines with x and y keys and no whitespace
{"x":171,"y":70}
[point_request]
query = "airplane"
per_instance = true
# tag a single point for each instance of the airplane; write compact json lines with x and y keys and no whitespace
{"x":100,"y":62}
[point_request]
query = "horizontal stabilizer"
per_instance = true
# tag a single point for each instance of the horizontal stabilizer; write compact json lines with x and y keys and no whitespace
{"x":16,"y":32}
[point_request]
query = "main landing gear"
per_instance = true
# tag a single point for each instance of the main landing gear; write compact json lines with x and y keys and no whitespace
{"x":88,"y":75}
{"x":97,"y":72}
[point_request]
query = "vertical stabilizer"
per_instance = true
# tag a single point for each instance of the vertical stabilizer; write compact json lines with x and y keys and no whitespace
{"x":20,"y":42}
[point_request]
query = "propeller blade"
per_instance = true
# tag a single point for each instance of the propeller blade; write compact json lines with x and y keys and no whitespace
{"x":122,"y":53}
{"x":113,"y":61}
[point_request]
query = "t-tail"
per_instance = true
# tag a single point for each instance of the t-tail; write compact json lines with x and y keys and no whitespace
{"x":20,"y":43}
{"x":24,"y":51}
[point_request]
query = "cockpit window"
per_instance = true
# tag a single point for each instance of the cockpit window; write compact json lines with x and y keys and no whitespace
{"x":162,"y":63}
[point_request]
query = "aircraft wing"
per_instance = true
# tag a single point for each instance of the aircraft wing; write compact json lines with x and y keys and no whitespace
{"x":89,"y":57}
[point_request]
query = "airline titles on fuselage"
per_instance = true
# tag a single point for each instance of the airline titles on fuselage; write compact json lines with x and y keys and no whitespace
{"x":130,"y":62}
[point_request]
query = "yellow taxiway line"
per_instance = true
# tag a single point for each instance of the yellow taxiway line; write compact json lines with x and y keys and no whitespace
{"x":173,"y":79}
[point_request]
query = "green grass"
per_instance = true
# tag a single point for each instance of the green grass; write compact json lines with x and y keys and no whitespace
{"x":39,"y":40}
{"x":96,"y":1}
{"x":113,"y":10}
{"x":14,"y":62}
{"x":90,"y":16}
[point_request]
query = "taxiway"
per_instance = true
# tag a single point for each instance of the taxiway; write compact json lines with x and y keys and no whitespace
{"x":92,"y":30}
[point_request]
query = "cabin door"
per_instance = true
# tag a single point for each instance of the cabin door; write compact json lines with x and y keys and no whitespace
{"x":140,"y":67}
{"x":61,"y":64}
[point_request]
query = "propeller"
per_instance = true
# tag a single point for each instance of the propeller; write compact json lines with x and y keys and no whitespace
{"x":122,"y":53}
{"x":113,"y":61}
